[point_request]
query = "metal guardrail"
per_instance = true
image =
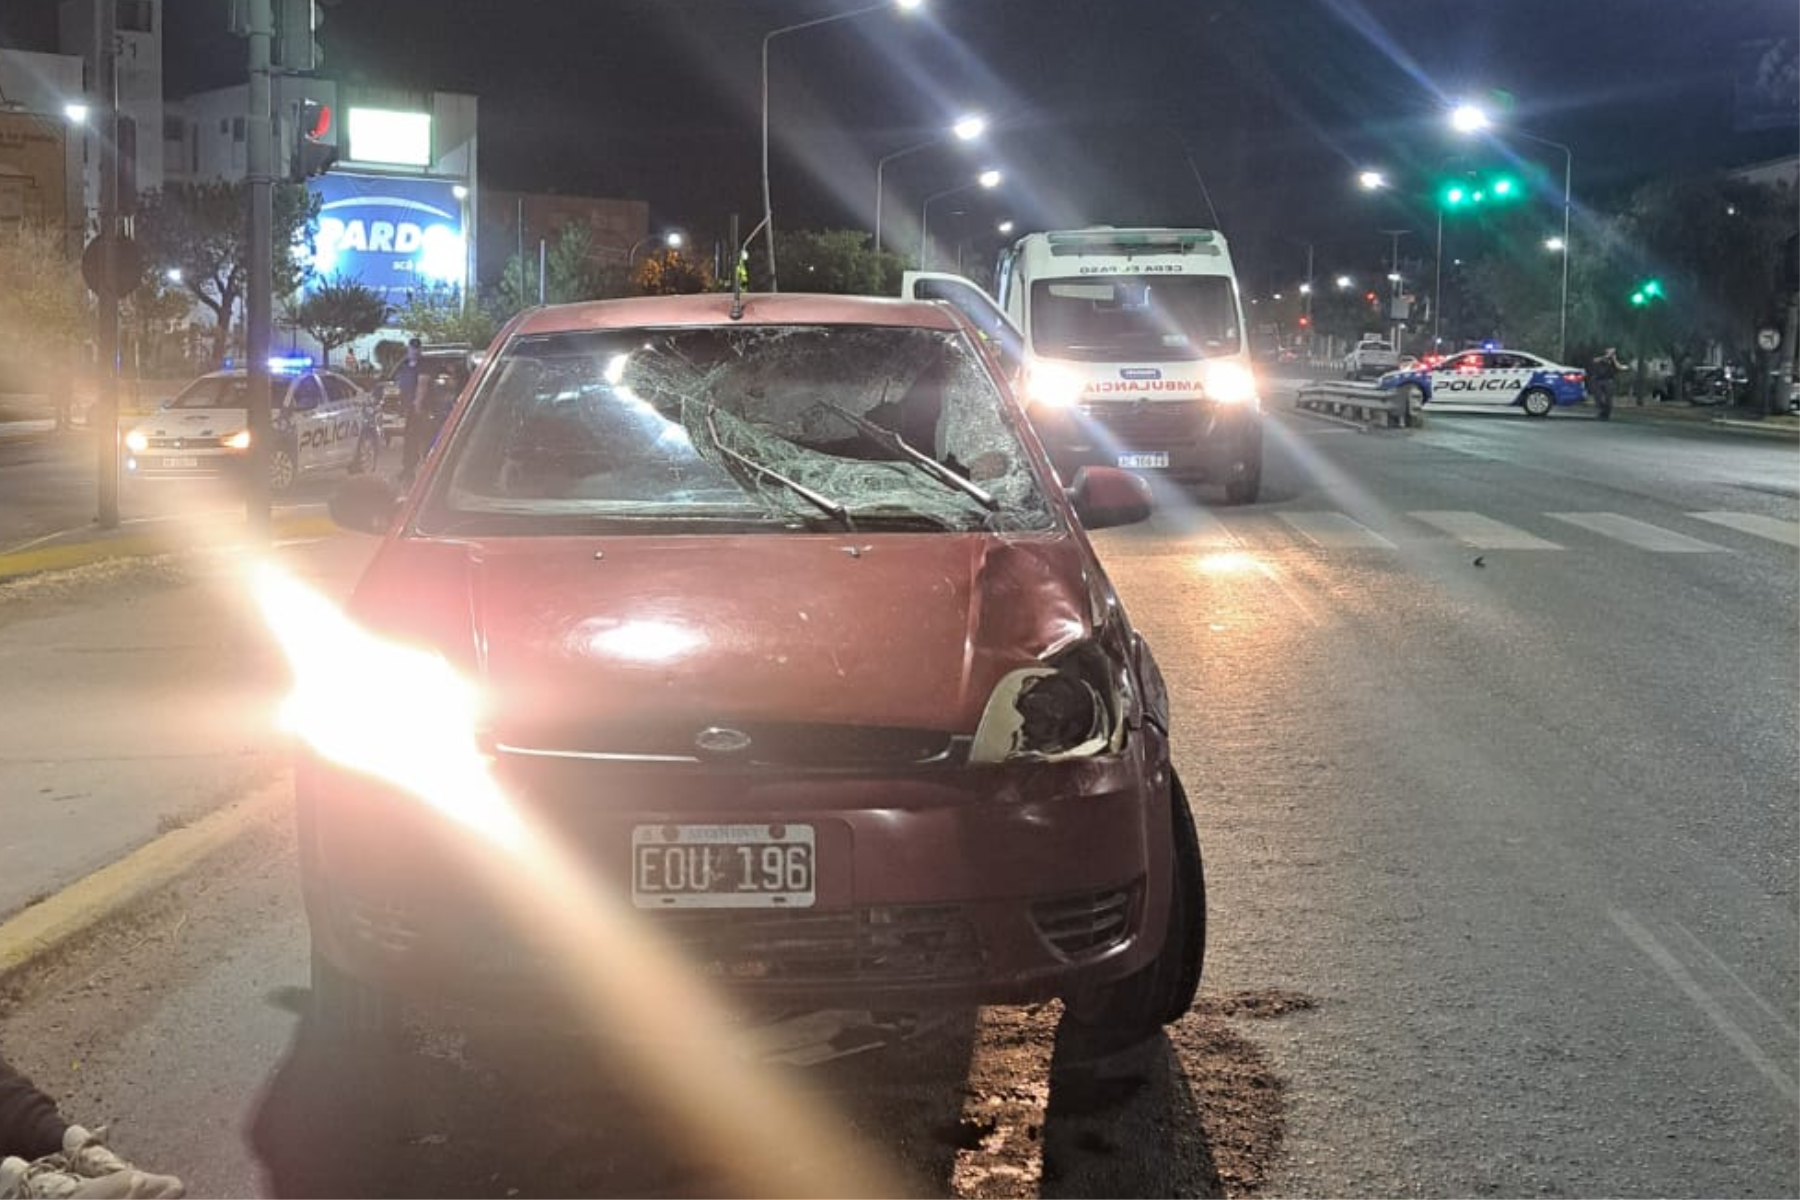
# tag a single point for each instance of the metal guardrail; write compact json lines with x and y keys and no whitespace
{"x":1365,"y":402}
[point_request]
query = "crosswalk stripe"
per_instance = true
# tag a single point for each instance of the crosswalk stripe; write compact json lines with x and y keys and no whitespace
{"x":1773,"y":528}
{"x":1638,"y":533}
{"x":1335,"y":531}
{"x":1484,"y":533}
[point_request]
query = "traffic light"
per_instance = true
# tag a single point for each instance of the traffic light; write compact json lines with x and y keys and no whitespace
{"x":1474,"y":190}
{"x":315,"y":148}
{"x":1650,"y":289}
{"x":296,"y":41}
{"x":1305,"y":321}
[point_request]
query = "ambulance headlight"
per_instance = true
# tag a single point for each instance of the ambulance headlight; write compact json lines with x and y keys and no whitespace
{"x":237,"y":441}
{"x":136,"y":442}
{"x":1229,"y":383}
{"x":1052,"y":385}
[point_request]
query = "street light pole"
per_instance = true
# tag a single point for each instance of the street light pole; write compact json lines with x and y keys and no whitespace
{"x":1437,"y":294}
{"x":966,"y":130}
{"x":768,"y":205}
{"x":1394,"y":286}
{"x":987,"y":179}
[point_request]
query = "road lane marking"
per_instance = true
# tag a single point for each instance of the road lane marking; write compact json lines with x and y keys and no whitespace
{"x":1773,"y":528}
{"x":1703,"y":1000}
{"x":1484,"y":533}
{"x":1335,"y":531}
{"x":1722,"y":968}
{"x":1638,"y":533}
{"x":1201,"y":528}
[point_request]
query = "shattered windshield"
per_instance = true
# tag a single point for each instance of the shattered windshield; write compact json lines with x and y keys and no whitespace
{"x":754,"y":426}
{"x":1143,"y":318}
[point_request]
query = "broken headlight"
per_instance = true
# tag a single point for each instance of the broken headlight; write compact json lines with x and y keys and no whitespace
{"x":1075,"y":706}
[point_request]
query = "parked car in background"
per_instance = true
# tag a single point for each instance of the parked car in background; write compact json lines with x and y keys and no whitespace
{"x":1511,"y":377}
{"x":321,"y":421}
{"x":447,"y":369}
{"x":1370,"y":359}
{"x":792,"y":588}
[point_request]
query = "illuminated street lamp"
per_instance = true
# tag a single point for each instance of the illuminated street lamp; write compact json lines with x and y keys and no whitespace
{"x":1468,"y":118}
{"x":966,"y":129}
{"x":1555,"y":244}
{"x":1372,"y":181}
{"x":768,"y":221}
{"x":76,"y":112}
{"x":987,"y":179}
{"x":671,"y":240}
{"x":1004,"y":227}
{"x":1345,"y":283}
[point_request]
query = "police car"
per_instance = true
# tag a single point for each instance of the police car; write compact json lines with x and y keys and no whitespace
{"x":321,"y":422}
{"x":1497,"y":377}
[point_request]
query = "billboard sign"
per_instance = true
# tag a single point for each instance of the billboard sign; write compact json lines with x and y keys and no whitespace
{"x":389,"y":233}
{"x":34,"y":170}
{"x":379,"y":135}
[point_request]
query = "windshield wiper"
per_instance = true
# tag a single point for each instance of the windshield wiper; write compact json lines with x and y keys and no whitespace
{"x":823,"y":503}
{"x":924,"y":461}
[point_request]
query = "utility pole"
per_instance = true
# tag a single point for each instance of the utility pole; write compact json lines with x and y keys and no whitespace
{"x":106,"y":333}
{"x":1394,"y":321}
{"x":259,"y":301}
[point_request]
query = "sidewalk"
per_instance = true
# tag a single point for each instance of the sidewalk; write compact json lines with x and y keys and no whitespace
{"x":1784,"y":425}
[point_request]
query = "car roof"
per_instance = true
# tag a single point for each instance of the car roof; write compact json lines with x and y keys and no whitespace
{"x":715,"y":308}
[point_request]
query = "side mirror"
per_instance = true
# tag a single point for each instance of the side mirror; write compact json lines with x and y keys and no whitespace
{"x":1106,"y":496}
{"x":365,"y":504}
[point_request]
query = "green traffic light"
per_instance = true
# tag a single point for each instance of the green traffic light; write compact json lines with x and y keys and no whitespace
{"x":1653,"y":288}
{"x":1455,"y":196}
{"x":1638,"y":299}
{"x":1503,"y":186}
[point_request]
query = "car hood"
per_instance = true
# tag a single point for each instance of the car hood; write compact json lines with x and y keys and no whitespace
{"x":193,"y":422}
{"x":575,"y":638}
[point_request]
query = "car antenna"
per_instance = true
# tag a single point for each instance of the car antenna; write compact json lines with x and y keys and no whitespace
{"x":737,"y":273}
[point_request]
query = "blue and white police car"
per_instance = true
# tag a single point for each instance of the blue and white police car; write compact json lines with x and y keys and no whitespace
{"x":1492,"y":376}
{"x":321,"y":421}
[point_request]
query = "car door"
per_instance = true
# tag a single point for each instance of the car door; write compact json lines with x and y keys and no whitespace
{"x":1457,"y":380}
{"x":311,"y":420}
{"x":983,"y":311}
{"x":346,"y":403}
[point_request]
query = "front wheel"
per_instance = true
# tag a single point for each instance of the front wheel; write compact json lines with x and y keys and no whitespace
{"x":349,"y":1012}
{"x":283,"y":469}
{"x":1538,"y":402}
{"x":1133,"y":1009}
{"x":1245,"y":489}
{"x":368,"y":449}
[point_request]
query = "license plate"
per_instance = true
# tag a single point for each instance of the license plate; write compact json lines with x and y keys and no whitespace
{"x":1144,"y":462}
{"x":176,"y":462}
{"x":722,"y":866}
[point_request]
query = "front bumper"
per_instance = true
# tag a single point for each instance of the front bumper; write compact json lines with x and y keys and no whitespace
{"x":1201,"y":439}
{"x":175,"y":465}
{"x":956,"y":886}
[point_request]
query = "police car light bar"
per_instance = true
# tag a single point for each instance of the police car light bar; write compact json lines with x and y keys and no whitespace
{"x":289,"y":364}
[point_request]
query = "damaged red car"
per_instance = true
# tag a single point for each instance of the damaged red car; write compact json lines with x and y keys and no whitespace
{"x":785,"y":625}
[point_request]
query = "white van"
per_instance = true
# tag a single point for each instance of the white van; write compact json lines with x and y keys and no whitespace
{"x":1130,"y":347}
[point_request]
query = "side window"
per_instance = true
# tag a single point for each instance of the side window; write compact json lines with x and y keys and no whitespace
{"x":338,"y":389}
{"x":987,"y":317}
{"x":306,"y":395}
{"x":1513,"y":362}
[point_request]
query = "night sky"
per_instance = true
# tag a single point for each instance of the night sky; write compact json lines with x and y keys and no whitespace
{"x":1117,"y":111}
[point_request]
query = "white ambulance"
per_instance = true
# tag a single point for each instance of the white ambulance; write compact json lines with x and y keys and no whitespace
{"x":1130,"y":349}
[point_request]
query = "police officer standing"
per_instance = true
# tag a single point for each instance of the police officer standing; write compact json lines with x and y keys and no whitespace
{"x":409,"y":380}
{"x":1602,"y":377}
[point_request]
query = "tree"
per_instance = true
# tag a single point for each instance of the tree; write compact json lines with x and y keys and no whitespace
{"x":671,"y":273}
{"x":438,"y":313}
{"x":340,"y":310}
{"x":570,"y":274}
{"x":838,"y":261}
{"x":204,"y":229}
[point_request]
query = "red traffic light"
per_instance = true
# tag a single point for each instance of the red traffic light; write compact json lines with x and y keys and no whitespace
{"x":317,"y":118}
{"x":1305,"y":321}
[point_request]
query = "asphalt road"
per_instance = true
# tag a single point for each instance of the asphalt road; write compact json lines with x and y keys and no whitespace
{"x":1492,"y":733}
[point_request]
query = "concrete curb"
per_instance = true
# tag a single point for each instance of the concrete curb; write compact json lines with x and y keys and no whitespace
{"x":78,"y":909}
{"x":38,"y":559}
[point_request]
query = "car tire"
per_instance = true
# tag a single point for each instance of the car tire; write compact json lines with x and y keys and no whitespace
{"x":1135,"y":1008}
{"x":284,"y":469}
{"x":1246,"y":489}
{"x":368,"y":451}
{"x":1537,"y":402}
{"x":349,"y":1012}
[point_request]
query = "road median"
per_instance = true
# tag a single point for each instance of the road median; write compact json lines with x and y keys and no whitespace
{"x":81,"y":547}
{"x":64,"y":918}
